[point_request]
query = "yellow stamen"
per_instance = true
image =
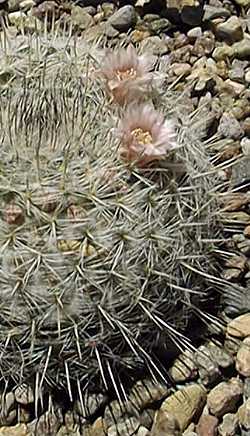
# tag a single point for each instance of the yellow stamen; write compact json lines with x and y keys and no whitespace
{"x":127,"y":74}
{"x":141,"y":136}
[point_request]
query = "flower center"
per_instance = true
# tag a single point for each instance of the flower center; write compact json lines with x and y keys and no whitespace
{"x":142,"y":136}
{"x":127,"y":74}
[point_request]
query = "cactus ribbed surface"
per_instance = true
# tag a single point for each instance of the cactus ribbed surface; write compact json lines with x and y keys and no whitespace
{"x":102,"y":264}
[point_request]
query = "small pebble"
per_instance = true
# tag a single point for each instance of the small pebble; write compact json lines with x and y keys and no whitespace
{"x":184,"y":404}
{"x":229,"y":425}
{"x":240,"y":326}
{"x":224,"y":397}
{"x":244,"y":415}
{"x":207,"y":425}
{"x":243,"y":358}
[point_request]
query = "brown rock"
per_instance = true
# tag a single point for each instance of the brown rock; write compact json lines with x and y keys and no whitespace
{"x":207,"y":425}
{"x":224,"y":397}
{"x":235,"y":202}
{"x":243,"y":358}
{"x":240,"y":326}
{"x":98,"y":428}
{"x":185,"y":404}
{"x":165,"y":424}
{"x":229,"y":152}
{"x":139,"y":35}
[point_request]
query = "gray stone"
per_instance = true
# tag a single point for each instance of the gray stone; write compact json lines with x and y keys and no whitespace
{"x":148,"y":18}
{"x":244,"y":415}
{"x":247,"y":76}
{"x":245,"y":145}
{"x":229,"y":425}
{"x":208,"y":368}
{"x":235,"y":88}
{"x":229,"y":127}
{"x":237,"y":70}
{"x":160,"y":25}
{"x":223,"y":52}
{"x":231,"y":30}
{"x":220,"y":355}
{"x":213,"y":12}
{"x":247,"y":388}
{"x":154,"y":45}
{"x":99,"y":30}
{"x":241,"y":50}
{"x":232,"y":345}
{"x":195,"y":32}
{"x":124,"y":18}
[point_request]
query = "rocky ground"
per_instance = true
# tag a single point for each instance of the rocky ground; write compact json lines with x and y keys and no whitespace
{"x":207,"y":50}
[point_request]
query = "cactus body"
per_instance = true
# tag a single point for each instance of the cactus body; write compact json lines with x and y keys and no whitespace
{"x":102,"y":264}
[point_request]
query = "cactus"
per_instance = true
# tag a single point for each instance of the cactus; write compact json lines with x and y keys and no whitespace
{"x":103,"y":264}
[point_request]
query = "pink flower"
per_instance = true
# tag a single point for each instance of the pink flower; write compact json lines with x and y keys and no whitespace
{"x":127,"y":75}
{"x":145,"y":135}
